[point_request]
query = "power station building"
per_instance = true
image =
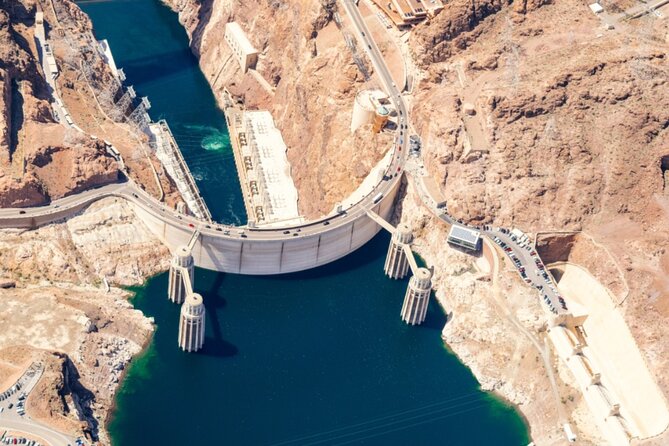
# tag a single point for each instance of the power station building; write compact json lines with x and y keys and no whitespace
{"x":241,"y":46}
{"x":268,"y":170}
{"x":465,"y":238}
{"x":404,"y":13}
{"x":370,"y":107}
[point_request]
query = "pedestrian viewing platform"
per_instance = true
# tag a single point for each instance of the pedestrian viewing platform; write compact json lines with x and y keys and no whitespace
{"x":170,"y":156}
{"x":270,"y":196}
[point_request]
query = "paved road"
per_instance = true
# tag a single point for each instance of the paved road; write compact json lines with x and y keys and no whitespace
{"x":530,"y":267}
{"x":11,"y":420}
{"x":416,"y":170}
{"x":527,"y":262}
{"x":68,"y":206}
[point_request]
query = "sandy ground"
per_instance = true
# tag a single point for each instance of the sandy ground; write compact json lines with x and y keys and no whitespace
{"x":37,"y":319}
{"x":615,"y":353}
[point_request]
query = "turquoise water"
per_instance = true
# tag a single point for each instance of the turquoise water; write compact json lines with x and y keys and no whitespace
{"x":152,"y":48}
{"x":315,"y":358}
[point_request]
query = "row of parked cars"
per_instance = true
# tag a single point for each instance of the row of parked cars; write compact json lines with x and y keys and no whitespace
{"x":540,"y":268}
{"x":514,"y":258}
{"x":11,"y":391}
{"x":20,"y":440}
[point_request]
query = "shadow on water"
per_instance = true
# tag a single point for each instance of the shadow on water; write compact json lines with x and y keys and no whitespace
{"x":367,"y":254}
{"x":151,"y":69}
{"x":435,"y":319}
{"x":285,"y":356}
{"x":215,"y":345}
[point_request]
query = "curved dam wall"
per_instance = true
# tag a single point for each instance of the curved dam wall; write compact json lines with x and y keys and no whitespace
{"x":287,"y":254}
{"x":221,"y":248}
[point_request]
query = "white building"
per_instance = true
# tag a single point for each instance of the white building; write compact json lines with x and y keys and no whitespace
{"x":365,"y":107}
{"x":241,"y":47}
{"x":271,"y":169}
{"x":465,"y":237}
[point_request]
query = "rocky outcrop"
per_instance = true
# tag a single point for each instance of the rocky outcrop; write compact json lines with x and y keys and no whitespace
{"x":95,"y":332}
{"x":459,"y":25}
{"x":39,"y":159}
{"x":557,"y":135}
{"x":574,"y":132}
{"x":107,"y":240}
{"x":489,"y":319}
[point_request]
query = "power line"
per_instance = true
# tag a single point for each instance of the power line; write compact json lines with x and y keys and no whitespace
{"x":466,"y":397}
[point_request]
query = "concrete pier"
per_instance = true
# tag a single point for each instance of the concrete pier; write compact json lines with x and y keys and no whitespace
{"x":397,"y":264}
{"x":182,"y":264}
{"x":191,"y":323}
{"x":417,"y":297}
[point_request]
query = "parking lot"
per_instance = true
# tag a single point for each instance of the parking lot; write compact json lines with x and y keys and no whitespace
{"x":529,"y":266}
{"x":14,"y":439}
{"x":13,"y":417}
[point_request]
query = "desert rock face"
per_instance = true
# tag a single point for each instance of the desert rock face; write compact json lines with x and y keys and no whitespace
{"x":39,"y":159}
{"x":493,"y":323}
{"x":94,"y":332}
{"x":568,"y":138}
{"x":459,"y":25}
{"x":304,"y":57}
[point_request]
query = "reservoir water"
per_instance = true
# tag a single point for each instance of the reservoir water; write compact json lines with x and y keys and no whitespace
{"x":315,"y":358}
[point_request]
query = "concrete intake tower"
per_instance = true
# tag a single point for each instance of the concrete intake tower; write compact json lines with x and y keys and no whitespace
{"x":191,"y":323}
{"x":182,"y":263}
{"x":417,"y":297}
{"x":397,"y":263}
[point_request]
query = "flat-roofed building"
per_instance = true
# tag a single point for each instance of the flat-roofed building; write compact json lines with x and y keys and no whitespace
{"x":404,"y":13}
{"x":417,"y":8}
{"x":241,"y":46}
{"x":465,"y":237}
{"x":433,"y":7}
{"x":269,"y":176}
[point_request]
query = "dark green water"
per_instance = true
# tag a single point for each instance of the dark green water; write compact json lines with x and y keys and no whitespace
{"x":319,"y":357}
{"x":152,"y":48}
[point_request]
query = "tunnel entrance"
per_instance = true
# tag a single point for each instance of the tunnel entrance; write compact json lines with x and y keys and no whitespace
{"x":664,"y":166}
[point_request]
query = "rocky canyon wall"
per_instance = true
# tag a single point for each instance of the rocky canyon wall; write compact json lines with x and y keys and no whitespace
{"x":306,"y":61}
{"x":40,"y":160}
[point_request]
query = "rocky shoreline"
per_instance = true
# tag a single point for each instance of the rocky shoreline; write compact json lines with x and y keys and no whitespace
{"x":95,"y":333}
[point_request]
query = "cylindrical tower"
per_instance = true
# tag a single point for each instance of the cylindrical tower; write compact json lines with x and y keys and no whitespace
{"x":191,"y":323}
{"x":380,"y":118}
{"x":181,"y":262}
{"x":397,"y":264}
{"x":417,"y":297}
{"x":363,"y":110}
